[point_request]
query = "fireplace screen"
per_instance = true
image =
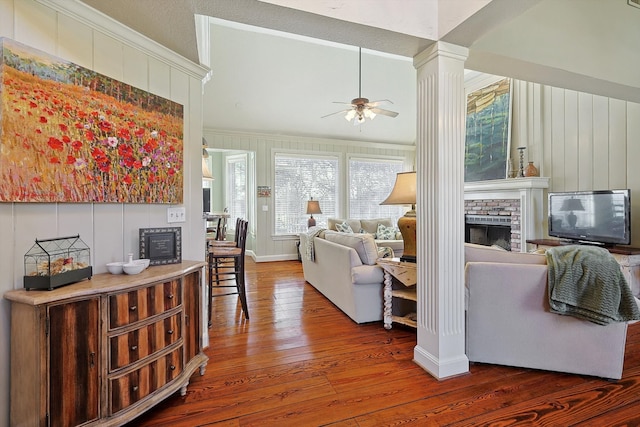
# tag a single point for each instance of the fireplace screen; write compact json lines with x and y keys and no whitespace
{"x":488,"y":230}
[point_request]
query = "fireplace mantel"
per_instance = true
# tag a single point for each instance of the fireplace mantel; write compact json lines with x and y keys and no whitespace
{"x":530,"y":192}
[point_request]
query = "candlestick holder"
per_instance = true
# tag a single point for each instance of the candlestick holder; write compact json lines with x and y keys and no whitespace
{"x":521,"y":165}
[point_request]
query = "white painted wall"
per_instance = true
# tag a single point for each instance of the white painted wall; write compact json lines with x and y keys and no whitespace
{"x":579,"y":140}
{"x":110,"y":230}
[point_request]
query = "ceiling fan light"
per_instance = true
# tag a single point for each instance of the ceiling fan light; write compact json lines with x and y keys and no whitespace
{"x":369,"y":114}
{"x":350,"y":115}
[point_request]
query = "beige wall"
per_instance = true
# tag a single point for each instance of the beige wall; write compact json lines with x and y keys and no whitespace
{"x":110,"y":230}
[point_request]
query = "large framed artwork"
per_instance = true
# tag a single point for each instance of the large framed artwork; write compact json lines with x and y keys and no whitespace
{"x":69,"y":134}
{"x":488,"y":138}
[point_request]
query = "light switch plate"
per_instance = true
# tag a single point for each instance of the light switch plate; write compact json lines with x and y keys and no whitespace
{"x":176,"y":214}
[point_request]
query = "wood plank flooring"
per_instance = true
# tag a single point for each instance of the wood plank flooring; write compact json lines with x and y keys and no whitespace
{"x":299,"y":361}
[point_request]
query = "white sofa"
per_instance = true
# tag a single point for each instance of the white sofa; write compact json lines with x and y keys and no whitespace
{"x":343,"y":269}
{"x":509,"y":322}
{"x":370,"y":226}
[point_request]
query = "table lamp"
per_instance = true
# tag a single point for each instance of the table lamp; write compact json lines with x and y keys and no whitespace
{"x":404,"y":193}
{"x":313,"y":207}
{"x":571,"y":205}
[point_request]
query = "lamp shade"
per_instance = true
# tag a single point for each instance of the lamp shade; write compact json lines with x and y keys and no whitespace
{"x":206,"y":173}
{"x":404,"y":190}
{"x":313,"y":207}
{"x":572,"y":205}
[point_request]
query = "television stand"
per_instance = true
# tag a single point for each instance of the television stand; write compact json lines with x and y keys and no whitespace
{"x":627,"y":257}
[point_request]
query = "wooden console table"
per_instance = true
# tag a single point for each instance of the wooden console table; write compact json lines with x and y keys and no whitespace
{"x":103,"y":351}
{"x":627,"y":257}
{"x":406,"y":275}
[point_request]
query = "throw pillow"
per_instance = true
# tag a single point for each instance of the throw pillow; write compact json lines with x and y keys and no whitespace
{"x":344,"y":228}
{"x":371,"y":225}
{"x":385,"y":233}
{"x":385,"y":252}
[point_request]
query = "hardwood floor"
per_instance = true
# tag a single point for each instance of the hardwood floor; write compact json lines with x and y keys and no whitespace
{"x":299,"y":361}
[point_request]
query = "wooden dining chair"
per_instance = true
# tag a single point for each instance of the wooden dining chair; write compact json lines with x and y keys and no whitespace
{"x":219,"y":242}
{"x":226,"y":263}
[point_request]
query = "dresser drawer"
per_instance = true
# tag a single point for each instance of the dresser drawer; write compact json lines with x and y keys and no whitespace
{"x":129,"y":307}
{"x":130,"y":347}
{"x":130,"y":388}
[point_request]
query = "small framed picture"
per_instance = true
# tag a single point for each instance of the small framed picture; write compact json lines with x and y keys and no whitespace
{"x":161,"y":245}
{"x":264,"y":191}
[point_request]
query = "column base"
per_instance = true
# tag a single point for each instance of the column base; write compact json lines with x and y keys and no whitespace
{"x":439,"y":368}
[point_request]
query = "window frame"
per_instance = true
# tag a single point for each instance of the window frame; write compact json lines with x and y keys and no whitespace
{"x":305,"y":154}
{"x":228,"y":161}
{"x":372,"y":158}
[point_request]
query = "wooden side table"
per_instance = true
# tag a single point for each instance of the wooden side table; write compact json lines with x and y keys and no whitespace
{"x":406,"y":275}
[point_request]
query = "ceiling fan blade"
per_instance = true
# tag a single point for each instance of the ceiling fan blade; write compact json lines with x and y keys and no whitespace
{"x":384,"y":112}
{"x":337,"y":112}
{"x":380,"y":101}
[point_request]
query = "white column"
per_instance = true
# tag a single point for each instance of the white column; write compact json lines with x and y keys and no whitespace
{"x":440,"y":347}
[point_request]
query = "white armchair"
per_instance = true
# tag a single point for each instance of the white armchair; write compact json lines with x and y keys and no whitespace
{"x":509,"y":323}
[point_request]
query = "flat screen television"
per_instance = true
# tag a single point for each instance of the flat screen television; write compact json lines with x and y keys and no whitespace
{"x":206,"y":199}
{"x":597,"y":217}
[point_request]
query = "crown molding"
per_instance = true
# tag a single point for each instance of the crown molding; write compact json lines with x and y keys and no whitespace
{"x":109,"y":26}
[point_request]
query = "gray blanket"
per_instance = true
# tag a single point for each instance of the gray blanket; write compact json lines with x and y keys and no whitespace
{"x":586,"y":282}
{"x":309,"y":250}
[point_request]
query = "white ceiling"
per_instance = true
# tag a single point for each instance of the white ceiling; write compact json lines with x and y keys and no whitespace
{"x":284,"y":85}
{"x":265,"y":82}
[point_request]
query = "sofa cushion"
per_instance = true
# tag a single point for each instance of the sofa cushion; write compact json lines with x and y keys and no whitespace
{"x":481,"y":253}
{"x":364,"y":244}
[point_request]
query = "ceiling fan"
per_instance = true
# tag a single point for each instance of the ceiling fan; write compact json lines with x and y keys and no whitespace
{"x":360,"y":108}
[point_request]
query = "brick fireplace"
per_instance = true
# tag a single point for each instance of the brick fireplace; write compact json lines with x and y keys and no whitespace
{"x":510,"y":210}
{"x":493,"y":221}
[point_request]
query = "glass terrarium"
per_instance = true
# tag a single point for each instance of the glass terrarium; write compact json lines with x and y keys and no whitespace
{"x":51,"y":263}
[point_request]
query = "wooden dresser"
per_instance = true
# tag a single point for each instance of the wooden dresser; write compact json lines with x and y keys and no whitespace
{"x":104,"y":350}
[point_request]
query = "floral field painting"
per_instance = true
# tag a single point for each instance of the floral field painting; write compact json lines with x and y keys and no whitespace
{"x":68,"y":134}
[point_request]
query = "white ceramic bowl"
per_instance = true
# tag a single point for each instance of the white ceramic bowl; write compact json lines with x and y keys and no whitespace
{"x":115,"y":267}
{"x":133,"y":268}
{"x":144,"y":261}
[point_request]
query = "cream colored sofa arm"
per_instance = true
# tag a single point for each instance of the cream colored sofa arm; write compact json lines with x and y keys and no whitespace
{"x":508,"y":323}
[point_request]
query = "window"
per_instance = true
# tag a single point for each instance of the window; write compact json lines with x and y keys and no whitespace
{"x":370,"y":182}
{"x":237,"y":186}
{"x":297,"y":179}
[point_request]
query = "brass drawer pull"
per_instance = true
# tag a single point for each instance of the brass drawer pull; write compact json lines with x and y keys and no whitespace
{"x":134,"y":347}
{"x":133,"y":308}
{"x":172,"y":367}
{"x":170,"y":331}
{"x":170,"y":296}
{"x":134,"y":388}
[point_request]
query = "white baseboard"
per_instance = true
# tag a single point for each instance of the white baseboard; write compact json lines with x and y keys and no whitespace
{"x":272,"y":258}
